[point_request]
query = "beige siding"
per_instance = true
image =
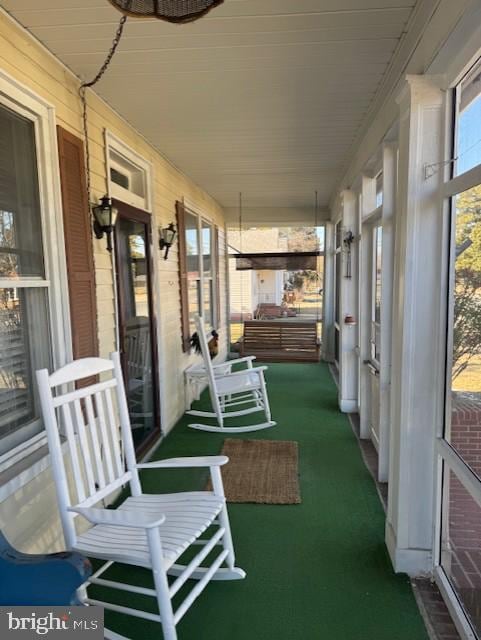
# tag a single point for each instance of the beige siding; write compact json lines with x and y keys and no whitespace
{"x":28,"y":62}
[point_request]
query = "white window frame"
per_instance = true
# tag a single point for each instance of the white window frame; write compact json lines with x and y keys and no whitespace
{"x":377,"y":224}
{"x":191,"y":209}
{"x":132,"y":164}
{"x":379,"y":193}
{"x":22,"y":100}
{"x":337,"y":290}
{"x":447,"y":457}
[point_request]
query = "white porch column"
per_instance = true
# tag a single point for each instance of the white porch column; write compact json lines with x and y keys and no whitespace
{"x":416,"y":334}
{"x":348,"y":335}
{"x":368,"y":199}
{"x":389,"y":164}
{"x":327,"y":345}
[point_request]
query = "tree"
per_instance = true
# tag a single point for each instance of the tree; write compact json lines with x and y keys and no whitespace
{"x":467,"y":298}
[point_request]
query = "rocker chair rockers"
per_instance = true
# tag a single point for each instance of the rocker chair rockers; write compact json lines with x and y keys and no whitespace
{"x":232,"y":393}
{"x":151,"y":531}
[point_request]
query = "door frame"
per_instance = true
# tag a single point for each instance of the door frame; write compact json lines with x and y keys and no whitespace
{"x":129,"y":212}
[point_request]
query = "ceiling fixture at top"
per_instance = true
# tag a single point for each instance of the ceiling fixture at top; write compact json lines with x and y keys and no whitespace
{"x":171,"y":10}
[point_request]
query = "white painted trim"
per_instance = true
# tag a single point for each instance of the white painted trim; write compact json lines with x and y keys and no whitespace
{"x":347,"y":406}
{"x":19,"y":480}
{"x":461,"y":49}
{"x":463,"y":182}
{"x":462,"y":471}
{"x":455,"y":609}
{"x":24,"y":283}
{"x":414,"y":562}
{"x":139,"y":163}
{"x":201,"y":216}
{"x":116,"y":144}
{"x":159,"y":319}
{"x":374,"y":216}
{"x":21,"y":99}
{"x":375,"y":439}
{"x":16,"y":454}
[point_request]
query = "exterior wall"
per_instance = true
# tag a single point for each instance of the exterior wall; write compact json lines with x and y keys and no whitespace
{"x":242,"y":294}
{"x":270,"y":284}
{"x":244,"y":286}
{"x":31,"y":510}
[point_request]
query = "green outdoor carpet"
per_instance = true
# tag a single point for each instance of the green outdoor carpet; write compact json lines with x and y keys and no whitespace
{"x":316,"y":570}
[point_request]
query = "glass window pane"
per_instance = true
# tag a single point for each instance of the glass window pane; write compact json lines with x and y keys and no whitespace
{"x":194,"y":301}
{"x":463,"y":427}
{"x":378,"y":273}
{"x":461,"y":545}
{"x":193,"y":266}
{"x":208,"y":303}
{"x":468,"y":149}
{"x":379,"y":190}
{"x":24,"y":348}
{"x":207,"y":249}
{"x":192,"y":245}
{"x":21,"y":253}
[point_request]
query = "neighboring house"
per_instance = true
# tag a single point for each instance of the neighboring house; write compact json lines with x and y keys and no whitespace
{"x":248,"y":289}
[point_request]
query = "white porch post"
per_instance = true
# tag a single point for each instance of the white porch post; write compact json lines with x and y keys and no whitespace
{"x":388,"y":221}
{"x":348,"y":335}
{"x":328,"y":295}
{"x":368,"y":199}
{"x":416,"y":329}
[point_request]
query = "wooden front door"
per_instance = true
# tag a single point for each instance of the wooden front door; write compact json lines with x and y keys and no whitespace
{"x":137,"y":327}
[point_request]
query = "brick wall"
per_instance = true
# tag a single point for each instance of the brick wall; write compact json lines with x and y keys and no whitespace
{"x":464,"y":527}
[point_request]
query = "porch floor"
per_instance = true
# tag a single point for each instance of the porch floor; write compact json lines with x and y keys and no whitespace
{"x":318,"y":570}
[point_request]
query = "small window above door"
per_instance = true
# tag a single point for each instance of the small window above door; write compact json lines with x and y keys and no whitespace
{"x":129,"y":174}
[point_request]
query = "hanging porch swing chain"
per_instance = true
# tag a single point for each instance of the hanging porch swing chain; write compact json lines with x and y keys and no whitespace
{"x":83,"y":98}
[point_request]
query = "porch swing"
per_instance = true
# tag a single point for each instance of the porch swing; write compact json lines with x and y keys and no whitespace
{"x":271,"y":336}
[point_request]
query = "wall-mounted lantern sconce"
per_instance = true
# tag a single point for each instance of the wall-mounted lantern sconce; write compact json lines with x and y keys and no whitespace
{"x":166,"y":238}
{"x":105,"y":215}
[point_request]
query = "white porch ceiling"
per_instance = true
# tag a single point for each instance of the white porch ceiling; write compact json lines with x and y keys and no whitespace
{"x":261,"y":96}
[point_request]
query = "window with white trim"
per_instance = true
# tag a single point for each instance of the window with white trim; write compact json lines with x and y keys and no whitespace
{"x":460,"y":448}
{"x":201,"y":264}
{"x":376,"y":293}
{"x":24,"y":287}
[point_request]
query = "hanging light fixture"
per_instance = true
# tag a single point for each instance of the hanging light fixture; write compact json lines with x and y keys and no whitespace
{"x":105,"y":215}
{"x":178,"y":11}
{"x":166,"y":238}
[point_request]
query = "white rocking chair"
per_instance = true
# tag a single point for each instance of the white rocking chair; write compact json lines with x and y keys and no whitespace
{"x":151,"y":531}
{"x":232,"y":393}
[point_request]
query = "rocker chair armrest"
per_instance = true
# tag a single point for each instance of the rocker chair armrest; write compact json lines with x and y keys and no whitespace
{"x":185,"y":463}
{"x":118,"y":517}
{"x":235,"y":361}
{"x":244,"y":372}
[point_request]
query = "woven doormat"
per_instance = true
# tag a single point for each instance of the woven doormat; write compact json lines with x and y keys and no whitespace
{"x":262,"y":471}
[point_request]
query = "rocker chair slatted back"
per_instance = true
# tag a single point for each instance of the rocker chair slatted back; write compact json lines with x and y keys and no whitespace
{"x":232,"y":393}
{"x":87,"y":419}
{"x":152,"y":531}
{"x":204,"y":338}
